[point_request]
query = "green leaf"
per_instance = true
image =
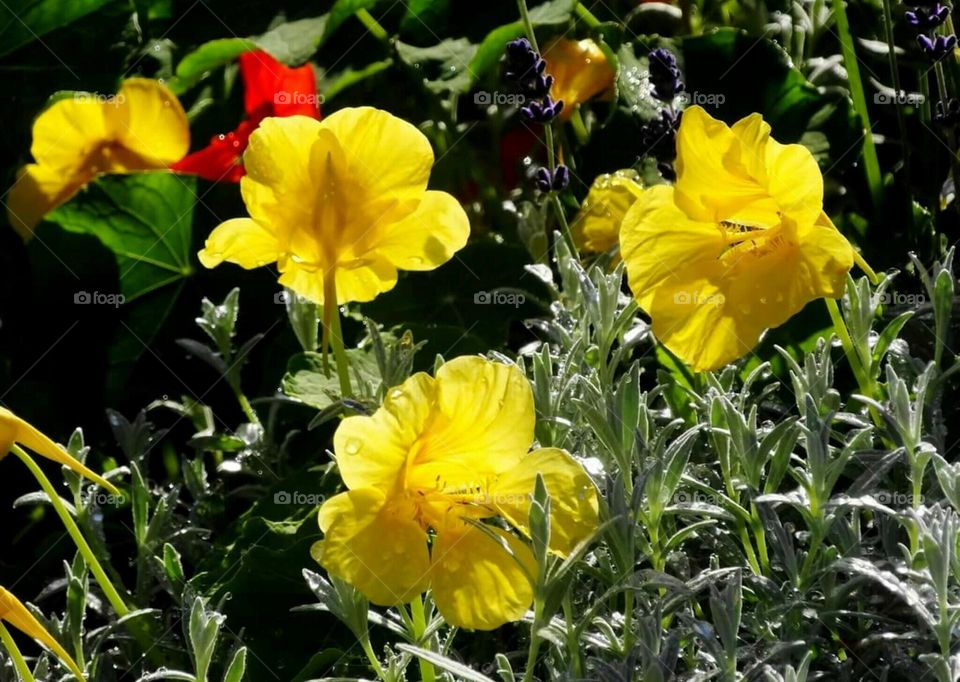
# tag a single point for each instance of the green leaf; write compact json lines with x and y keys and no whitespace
{"x":294,"y":42}
{"x":206,"y":58}
{"x":332,"y":85}
{"x":445,"y":67}
{"x":493,"y":45}
{"x":238,"y":666}
{"x":34,"y":20}
{"x":306,"y":380}
{"x":756,"y":75}
{"x":146,"y":221}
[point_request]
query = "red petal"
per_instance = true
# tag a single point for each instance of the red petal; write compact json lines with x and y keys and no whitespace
{"x":221,"y":160}
{"x":272,"y":89}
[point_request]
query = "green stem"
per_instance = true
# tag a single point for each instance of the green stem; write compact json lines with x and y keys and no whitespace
{"x":372,"y":25}
{"x":534,"y":650}
{"x":849,"y":349}
{"x":572,"y":636}
{"x":427,"y":672}
{"x":588,"y":18}
{"x":372,"y":657}
{"x":331,"y":320}
{"x":246,"y":406}
{"x":870,"y":161}
{"x":579,"y":127}
{"x":23,"y":670}
{"x":113,"y":596}
{"x":895,"y":74}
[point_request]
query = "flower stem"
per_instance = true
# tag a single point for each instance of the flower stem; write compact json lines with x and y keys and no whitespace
{"x":870,"y":161}
{"x":331,"y":320}
{"x":588,"y":18}
{"x":372,"y":25}
{"x":427,"y":672}
{"x":113,"y":596}
{"x":247,"y":407}
{"x":23,"y":670}
{"x":372,"y":657}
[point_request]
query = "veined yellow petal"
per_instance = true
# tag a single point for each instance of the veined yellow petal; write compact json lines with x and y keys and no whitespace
{"x":483,"y":425}
{"x":372,"y":451}
{"x":68,"y":133}
{"x":13,"y":611}
{"x":375,"y":545}
{"x":714,"y":180}
{"x":659,"y":243}
{"x":481,"y":578}
{"x":278,"y":188}
{"x":363,"y":280}
{"x":147,"y":119}
{"x":387,"y":159}
{"x":428,"y":237}
{"x":574,"y":507}
{"x":13,"y":429}
{"x":242,"y":241}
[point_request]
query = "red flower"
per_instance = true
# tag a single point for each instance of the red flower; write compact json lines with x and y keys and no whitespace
{"x":269,"y":89}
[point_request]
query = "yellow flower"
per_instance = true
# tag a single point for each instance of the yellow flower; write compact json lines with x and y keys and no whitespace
{"x":441,"y":456}
{"x":580,"y":72}
{"x":596,"y":229}
{"x":340,"y":205}
{"x":143,"y":127}
{"x":13,"y":429}
{"x":737,"y":246}
{"x":16,"y":614}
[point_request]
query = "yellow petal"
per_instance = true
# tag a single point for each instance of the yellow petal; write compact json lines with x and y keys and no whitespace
{"x":714,"y":180}
{"x":658,"y":241}
{"x":16,"y":614}
{"x":596,"y":228}
{"x":69,"y":132}
{"x":387,"y":159}
{"x":428,"y":237}
{"x":148,"y":119}
{"x":278,"y":189}
{"x":483,"y":426}
{"x":372,"y":451}
{"x":580,"y":71}
{"x":481,"y":582}
{"x":13,"y":429}
{"x":242,"y":241}
{"x":363,"y":281}
{"x":574,"y":509}
{"x":37,"y":191}
{"x":375,"y":545}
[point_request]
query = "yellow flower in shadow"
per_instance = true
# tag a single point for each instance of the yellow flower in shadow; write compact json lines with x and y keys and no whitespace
{"x":739,"y":245}
{"x":580,"y":72}
{"x":340,"y":205}
{"x":596,"y":228}
{"x":13,"y":611}
{"x":424,"y":474}
{"x":142,"y":127}
{"x":14,"y":430}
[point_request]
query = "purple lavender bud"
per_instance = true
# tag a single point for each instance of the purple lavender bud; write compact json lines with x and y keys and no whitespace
{"x":561,"y":178}
{"x":664,"y":74}
{"x":937,"y":47}
{"x":925,"y":19}
{"x":543,"y":179}
{"x":542,"y":112}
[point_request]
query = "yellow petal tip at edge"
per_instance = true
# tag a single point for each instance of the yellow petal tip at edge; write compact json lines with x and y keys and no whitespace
{"x":14,"y":612}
